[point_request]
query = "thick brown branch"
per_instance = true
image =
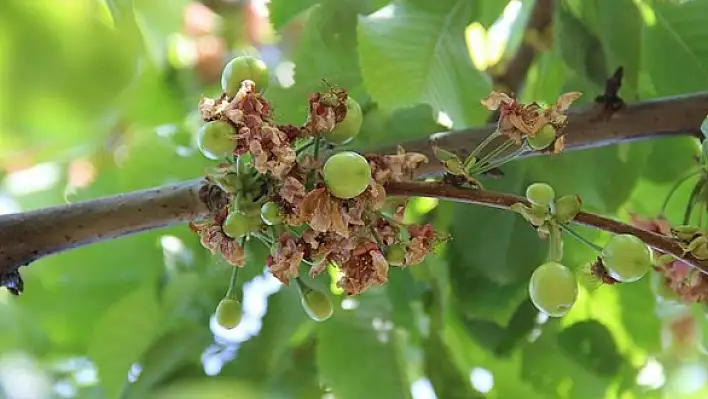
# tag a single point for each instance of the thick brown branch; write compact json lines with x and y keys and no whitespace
{"x":587,"y":127}
{"x":659,"y":242}
{"x":26,"y":237}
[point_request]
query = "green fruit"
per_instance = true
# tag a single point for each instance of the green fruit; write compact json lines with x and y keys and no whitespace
{"x":627,"y":258}
{"x":244,"y":68}
{"x":317,"y":305}
{"x":396,"y":254}
{"x":228,"y":313}
{"x":346,"y":174}
{"x":553,"y":289}
{"x":661,"y":289}
{"x":236,"y":225}
{"x":543,"y":138}
{"x":567,"y":208}
{"x":346,"y":130}
{"x":540,"y":194}
{"x":271,"y":213}
{"x":216,"y":139}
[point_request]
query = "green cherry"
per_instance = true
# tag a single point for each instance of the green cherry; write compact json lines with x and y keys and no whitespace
{"x":317,"y":305}
{"x":216,"y":139}
{"x":627,"y":258}
{"x":271,"y":213}
{"x":244,"y":68}
{"x":553,"y":289}
{"x":540,"y":194}
{"x":543,"y":138}
{"x":396,"y":254}
{"x":347,"y":174}
{"x":228,"y":313}
{"x":237,"y":225}
{"x":346,"y":130}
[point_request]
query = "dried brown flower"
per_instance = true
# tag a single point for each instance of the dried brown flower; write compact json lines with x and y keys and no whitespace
{"x":285,"y":263}
{"x":365,"y":267}
{"x":518,"y":120}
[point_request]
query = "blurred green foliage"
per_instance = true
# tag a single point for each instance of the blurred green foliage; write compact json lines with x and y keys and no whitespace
{"x":99,"y":97}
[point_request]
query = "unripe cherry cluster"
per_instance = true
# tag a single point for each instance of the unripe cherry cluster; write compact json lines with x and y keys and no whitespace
{"x":346,"y":175}
{"x":553,"y":287}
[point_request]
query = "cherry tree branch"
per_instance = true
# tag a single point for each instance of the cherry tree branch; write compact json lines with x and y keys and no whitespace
{"x":26,"y":237}
{"x":492,"y":199}
{"x":588,"y":127}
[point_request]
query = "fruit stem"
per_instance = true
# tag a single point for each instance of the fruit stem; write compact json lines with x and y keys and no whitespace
{"x":580,"y":238}
{"x":485,"y":143}
{"x":302,"y":288}
{"x":309,"y":144}
{"x":263,"y":238}
{"x":555,"y":240}
{"x":675,"y":187}
{"x":487,"y":158}
{"x":231,"y":293}
{"x":491,"y":165}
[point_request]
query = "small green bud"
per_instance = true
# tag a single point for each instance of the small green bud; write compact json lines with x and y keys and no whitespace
{"x":396,"y":254}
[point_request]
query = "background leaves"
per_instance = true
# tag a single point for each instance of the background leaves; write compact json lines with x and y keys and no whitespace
{"x":104,"y":93}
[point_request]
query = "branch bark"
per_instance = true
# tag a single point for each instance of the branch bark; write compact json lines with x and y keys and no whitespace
{"x":26,"y":237}
{"x":588,"y":127}
{"x":492,"y":199}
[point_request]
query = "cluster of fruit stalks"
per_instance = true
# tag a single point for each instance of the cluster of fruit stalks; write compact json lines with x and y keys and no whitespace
{"x":274,"y":186}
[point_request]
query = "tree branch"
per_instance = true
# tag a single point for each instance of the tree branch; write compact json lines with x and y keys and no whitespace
{"x":588,"y":127}
{"x":26,"y":237}
{"x":492,"y":199}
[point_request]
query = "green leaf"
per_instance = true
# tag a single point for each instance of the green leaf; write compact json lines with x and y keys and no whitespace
{"x":497,"y":244}
{"x":411,"y":56}
{"x":283,"y":11}
{"x":165,"y":356}
{"x":637,"y":305}
{"x":122,"y":335}
{"x":447,"y":378}
{"x":506,"y":371}
{"x":371,"y":361}
{"x":297,"y":375}
{"x":397,"y":127}
{"x":209,"y":388}
{"x":551,"y":368}
{"x":591,"y":345}
{"x":582,"y":51}
{"x":326,"y":51}
{"x":671,"y":158}
{"x":674,"y":47}
{"x":704,"y":128}
{"x":157,"y":19}
{"x":258,"y":356}
{"x":620,"y":28}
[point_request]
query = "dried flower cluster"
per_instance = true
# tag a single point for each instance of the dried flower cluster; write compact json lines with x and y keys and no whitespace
{"x":317,"y":228}
{"x":517,"y":120}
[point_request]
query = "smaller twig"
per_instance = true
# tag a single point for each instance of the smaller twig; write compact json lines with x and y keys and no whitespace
{"x":661,"y":243}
